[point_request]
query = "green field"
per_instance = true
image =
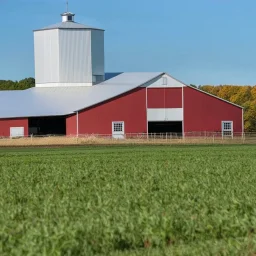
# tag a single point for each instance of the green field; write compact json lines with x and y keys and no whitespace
{"x":128,"y":200}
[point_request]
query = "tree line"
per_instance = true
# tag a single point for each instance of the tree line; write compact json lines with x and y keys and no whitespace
{"x":17,"y":85}
{"x":244,"y":96}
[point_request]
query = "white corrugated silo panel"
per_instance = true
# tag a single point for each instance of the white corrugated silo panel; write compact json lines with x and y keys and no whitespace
{"x":75,"y":56}
{"x":98,"y":52}
{"x":46,"y":56}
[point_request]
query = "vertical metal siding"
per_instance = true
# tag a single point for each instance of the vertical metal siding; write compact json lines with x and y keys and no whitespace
{"x":75,"y":56}
{"x":71,"y":122}
{"x":6,"y":124}
{"x":164,"y":97}
{"x":98,"y":52}
{"x":203,"y":112}
{"x":46,"y":50}
{"x":129,"y":107}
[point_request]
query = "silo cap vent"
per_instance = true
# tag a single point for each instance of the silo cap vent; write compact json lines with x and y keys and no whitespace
{"x":67,"y":16}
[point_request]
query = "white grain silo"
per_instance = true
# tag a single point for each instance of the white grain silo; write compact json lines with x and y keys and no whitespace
{"x":68,"y":54}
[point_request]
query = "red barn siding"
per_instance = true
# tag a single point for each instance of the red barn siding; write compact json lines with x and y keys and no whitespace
{"x":203,"y":112}
{"x":71,"y":125}
{"x":6,"y":124}
{"x":130,"y":108}
{"x":165,"y":98}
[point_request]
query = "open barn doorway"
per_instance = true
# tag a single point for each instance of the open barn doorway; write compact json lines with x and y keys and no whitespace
{"x":165,"y":127}
{"x":47,"y":125}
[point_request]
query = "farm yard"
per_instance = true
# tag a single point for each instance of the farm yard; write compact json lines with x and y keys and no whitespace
{"x":128,"y":200}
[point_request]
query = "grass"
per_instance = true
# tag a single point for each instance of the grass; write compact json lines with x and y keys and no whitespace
{"x":128,"y":200}
{"x":108,"y":140}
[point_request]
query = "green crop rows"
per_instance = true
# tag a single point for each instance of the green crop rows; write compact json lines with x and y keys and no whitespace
{"x":141,"y":200}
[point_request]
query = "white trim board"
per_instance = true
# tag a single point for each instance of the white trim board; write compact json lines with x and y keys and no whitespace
{"x":164,"y":81}
{"x":165,"y":114}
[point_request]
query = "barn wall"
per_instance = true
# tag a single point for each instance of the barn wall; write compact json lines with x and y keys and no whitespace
{"x":6,"y":124}
{"x":203,"y":112}
{"x":71,"y":125}
{"x":130,"y":108}
{"x":165,"y":98}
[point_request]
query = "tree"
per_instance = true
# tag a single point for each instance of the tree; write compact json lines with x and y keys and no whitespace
{"x":15,"y":85}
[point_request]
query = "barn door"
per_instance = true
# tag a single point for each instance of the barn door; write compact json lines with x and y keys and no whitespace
{"x":118,"y":130}
{"x":16,"y":132}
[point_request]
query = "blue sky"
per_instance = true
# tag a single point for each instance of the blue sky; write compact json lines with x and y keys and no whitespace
{"x":196,"y":41}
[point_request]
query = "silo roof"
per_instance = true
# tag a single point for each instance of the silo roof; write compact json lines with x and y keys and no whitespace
{"x":68,"y":25}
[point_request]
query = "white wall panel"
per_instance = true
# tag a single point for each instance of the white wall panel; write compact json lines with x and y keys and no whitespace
{"x":75,"y":56}
{"x":98,"y":52}
{"x":158,"y":83}
{"x":46,"y":50}
{"x":165,"y":114}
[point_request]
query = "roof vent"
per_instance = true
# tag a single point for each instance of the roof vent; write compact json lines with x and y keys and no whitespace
{"x":67,"y":16}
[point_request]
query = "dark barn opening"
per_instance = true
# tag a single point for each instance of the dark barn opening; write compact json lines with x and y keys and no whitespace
{"x":165,"y":127}
{"x":47,"y":125}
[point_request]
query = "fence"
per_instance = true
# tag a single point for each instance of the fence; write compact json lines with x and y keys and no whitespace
{"x":130,"y":138}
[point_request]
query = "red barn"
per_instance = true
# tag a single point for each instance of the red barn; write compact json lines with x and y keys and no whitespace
{"x":73,"y":95}
{"x":128,"y":103}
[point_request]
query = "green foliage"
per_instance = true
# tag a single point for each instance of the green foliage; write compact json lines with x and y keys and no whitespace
{"x":21,"y":85}
{"x":144,"y":200}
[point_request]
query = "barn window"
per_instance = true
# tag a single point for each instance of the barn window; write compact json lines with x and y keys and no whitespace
{"x":227,"y":128}
{"x":164,"y":80}
{"x":118,"y":130}
{"x":118,"y":126}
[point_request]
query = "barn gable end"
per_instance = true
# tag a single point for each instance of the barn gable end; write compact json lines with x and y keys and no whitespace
{"x":203,"y":112}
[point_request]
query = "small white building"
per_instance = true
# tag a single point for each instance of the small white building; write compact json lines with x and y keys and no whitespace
{"x":69,"y":54}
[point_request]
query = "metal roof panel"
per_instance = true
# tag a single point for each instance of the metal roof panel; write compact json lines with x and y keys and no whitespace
{"x":60,"y":101}
{"x":68,"y":25}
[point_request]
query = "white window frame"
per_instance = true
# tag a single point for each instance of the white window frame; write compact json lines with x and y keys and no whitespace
{"x":228,"y":130}
{"x":17,"y":135}
{"x":165,"y":81}
{"x":117,"y":133}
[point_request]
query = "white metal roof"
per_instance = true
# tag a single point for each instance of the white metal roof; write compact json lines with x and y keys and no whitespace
{"x":60,"y":101}
{"x":68,"y":25}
